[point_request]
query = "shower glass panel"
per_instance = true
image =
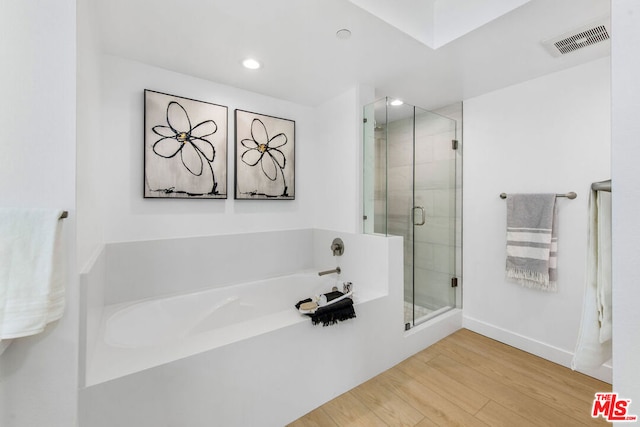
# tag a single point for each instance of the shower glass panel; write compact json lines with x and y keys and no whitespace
{"x":410,"y":190}
{"x":375,"y":168}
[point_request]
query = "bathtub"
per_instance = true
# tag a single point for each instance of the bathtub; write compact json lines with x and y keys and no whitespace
{"x":142,"y":334}
{"x":160,"y":350}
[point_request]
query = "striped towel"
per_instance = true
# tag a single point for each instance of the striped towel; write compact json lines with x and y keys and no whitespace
{"x":532,"y":240}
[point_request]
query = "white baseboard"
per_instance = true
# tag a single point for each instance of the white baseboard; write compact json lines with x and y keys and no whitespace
{"x":539,"y":348}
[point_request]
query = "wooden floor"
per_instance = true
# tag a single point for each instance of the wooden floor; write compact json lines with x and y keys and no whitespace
{"x":466,"y":380}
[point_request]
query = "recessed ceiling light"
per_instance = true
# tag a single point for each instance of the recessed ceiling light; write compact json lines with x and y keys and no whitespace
{"x":343,"y":34}
{"x":396,"y":102}
{"x":251,"y":64}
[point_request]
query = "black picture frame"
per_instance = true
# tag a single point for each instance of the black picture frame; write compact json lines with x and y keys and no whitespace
{"x":264,"y":157}
{"x":185,"y":147}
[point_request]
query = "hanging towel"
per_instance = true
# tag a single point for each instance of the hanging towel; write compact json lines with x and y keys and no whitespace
{"x":31,"y":280}
{"x":532,"y":240}
{"x":603,"y":284}
{"x":593,"y":347}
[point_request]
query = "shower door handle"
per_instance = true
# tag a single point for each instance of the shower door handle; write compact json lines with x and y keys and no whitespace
{"x":424,"y":215}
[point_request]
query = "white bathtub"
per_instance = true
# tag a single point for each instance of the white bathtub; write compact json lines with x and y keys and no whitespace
{"x":142,"y":334}
{"x":245,"y":357}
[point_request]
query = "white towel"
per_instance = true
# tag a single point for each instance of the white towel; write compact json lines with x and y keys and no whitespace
{"x":532,"y":240}
{"x":593,"y":347}
{"x":603,"y":284}
{"x":31,"y":276}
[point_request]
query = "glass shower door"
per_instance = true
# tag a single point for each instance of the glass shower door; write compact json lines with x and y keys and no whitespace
{"x":410,"y":191}
{"x":431,"y":289}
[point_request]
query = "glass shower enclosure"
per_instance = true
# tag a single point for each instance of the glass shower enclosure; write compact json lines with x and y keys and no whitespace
{"x":410,"y":188}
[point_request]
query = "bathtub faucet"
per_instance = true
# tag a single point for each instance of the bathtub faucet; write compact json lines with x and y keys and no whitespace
{"x":335,"y":270}
{"x":337,"y":247}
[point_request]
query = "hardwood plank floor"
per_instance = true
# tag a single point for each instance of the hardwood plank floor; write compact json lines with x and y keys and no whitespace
{"x":466,"y":379}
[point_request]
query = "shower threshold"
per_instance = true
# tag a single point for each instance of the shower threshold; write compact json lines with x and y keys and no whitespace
{"x":422,"y":314}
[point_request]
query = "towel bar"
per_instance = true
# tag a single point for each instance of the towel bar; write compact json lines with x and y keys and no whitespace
{"x":602,"y":185}
{"x":569,"y":195}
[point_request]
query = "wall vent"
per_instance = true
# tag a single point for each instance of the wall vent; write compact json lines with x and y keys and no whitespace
{"x":579,"y":38}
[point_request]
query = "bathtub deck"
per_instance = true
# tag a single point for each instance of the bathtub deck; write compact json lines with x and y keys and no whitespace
{"x":466,"y":379}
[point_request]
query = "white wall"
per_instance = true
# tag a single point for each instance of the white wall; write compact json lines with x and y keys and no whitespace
{"x":551,"y":134}
{"x":118,"y":180}
{"x":626,"y":199}
{"x":328,"y":156}
{"x":38,"y":375}
{"x":338,"y":161}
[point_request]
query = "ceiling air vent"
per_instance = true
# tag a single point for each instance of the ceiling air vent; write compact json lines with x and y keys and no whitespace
{"x":579,"y":38}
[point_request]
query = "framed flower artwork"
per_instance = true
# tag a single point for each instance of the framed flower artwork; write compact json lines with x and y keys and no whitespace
{"x":185,"y":148}
{"x":265,"y":157}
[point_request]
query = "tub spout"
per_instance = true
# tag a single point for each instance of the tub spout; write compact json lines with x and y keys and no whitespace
{"x":335,"y":270}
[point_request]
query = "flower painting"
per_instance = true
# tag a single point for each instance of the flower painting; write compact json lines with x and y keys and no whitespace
{"x":185,"y":151}
{"x":265,"y":160}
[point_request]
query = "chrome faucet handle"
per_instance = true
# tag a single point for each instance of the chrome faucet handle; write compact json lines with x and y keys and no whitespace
{"x":337,"y":246}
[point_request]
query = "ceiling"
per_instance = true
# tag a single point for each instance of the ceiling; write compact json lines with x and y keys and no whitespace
{"x":304,"y":62}
{"x":438,"y":22}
